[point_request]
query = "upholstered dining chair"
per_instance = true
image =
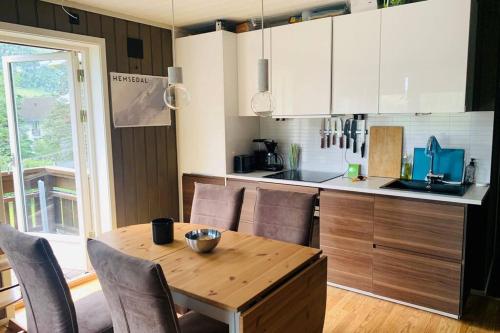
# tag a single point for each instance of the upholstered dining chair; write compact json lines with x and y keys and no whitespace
{"x":216,"y":205}
{"x":139,"y":296}
{"x":48,"y":302}
{"x":284,"y":216}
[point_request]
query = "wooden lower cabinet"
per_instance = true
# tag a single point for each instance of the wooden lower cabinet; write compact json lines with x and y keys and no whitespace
{"x":188,"y":181}
{"x":417,"y":279}
{"x":403,"y":249}
{"x":346,"y":237}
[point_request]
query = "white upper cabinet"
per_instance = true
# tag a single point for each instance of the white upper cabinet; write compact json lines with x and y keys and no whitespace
{"x":424,"y":55}
{"x":200,"y":125}
{"x":356,"y":61}
{"x":249,"y":52}
{"x":301,"y":68}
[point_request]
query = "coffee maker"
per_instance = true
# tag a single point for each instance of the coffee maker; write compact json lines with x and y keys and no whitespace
{"x":267,"y":159}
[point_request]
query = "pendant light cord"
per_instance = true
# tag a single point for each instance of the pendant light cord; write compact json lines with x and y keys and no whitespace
{"x":262,"y":26}
{"x":173,"y":33}
{"x":66,"y":11}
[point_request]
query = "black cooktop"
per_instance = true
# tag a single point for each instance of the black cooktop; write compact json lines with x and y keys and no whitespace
{"x":305,"y":176}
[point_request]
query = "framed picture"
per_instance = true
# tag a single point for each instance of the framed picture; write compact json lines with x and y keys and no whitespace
{"x":137,"y":100}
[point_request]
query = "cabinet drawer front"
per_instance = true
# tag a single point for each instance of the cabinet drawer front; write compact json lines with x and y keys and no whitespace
{"x":348,"y":268}
{"x":248,"y":199}
{"x":423,"y":227}
{"x":415,"y":279}
{"x":346,"y":220}
{"x":289,"y":188}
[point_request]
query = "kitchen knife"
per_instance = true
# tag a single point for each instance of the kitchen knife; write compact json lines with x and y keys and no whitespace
{"x":340,"y":133}
{"x":354,"y":135}
{"x":329,"y":133}
{"x":322,"y":133}
{"x":334,"y":133}
{"x":363,"y":137}
{"x":347,"y":128}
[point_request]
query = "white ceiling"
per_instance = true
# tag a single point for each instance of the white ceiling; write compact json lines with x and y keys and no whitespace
{"x":193,"y":12}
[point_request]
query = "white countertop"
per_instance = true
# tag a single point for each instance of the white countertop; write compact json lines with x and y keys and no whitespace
{"x":474,"y":195}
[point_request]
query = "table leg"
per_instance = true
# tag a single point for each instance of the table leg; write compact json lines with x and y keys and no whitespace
{"x":234,"y":323}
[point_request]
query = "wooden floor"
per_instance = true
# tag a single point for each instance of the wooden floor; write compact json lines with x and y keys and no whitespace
{"x":350,"y":312}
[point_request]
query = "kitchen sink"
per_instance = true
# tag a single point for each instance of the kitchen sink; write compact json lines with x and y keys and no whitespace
{"x":423,"y":186}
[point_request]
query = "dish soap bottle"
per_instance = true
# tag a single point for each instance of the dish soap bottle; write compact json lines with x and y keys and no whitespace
{"x":470,"y":172}
{"x":406,"y":168}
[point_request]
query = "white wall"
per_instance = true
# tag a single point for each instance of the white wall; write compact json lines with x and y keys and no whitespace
{"x":472,"y":131}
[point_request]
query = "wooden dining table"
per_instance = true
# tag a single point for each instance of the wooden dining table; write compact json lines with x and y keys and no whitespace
{"x":251,"y":283}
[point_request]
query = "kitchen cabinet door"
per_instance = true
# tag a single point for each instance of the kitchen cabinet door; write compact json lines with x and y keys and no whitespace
{"x":356,"y":63}
{"x":301,"y":68}
{"x":201,"y":133}
{"x":426,"y":227}
{"x":347,"y":220}
{"x":346,"y":237}
{"x":424,"y":57}
{"x":419,"y":280}
{"x":249,"y":52}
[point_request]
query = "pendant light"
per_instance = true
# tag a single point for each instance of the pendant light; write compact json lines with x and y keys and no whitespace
{"x":176,"y":96}
{"x":262,"y":102}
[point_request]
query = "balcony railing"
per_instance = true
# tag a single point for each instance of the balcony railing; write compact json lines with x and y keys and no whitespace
{"x":50,"y":197}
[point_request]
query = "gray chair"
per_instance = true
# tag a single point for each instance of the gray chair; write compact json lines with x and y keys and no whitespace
{"x":48,"y":302}
{"x":217,"y":206}
{"x":139,"y":296}
{"x":284,"y":216}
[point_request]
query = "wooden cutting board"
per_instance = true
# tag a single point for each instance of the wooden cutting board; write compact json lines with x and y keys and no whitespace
{"x":385,"y":151}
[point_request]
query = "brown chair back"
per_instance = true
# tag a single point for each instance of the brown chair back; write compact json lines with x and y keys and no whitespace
{"x":49,"y":306}
{"x":217,"y":206}
{"x":136,"y":290}
{"x":284,"y":216}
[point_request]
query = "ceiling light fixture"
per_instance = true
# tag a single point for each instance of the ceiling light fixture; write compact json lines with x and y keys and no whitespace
{"x":262,"y":102}
{"x":176,"y":96}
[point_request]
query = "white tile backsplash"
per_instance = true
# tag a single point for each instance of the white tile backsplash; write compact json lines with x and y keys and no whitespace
{"x":472,"y":131}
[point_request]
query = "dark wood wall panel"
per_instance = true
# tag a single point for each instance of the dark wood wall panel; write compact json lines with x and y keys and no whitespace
{"x":144,"y":158}
{"x":45,"y":15}
{"x":8,"y":11}
{"x":27,"y":12}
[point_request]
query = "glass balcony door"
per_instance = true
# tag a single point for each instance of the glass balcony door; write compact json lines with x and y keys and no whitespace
{"x":47,"y":139}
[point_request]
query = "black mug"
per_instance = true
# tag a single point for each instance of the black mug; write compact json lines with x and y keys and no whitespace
{"x":163,"y":230}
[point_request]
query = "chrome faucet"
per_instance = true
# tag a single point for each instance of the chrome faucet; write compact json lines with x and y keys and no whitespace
{"x":431,"y":149}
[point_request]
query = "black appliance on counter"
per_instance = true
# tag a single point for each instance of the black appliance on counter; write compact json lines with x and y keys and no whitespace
{"x":305,"y":176}
{"x":268,"y":159}
{"x":244,"y":163}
